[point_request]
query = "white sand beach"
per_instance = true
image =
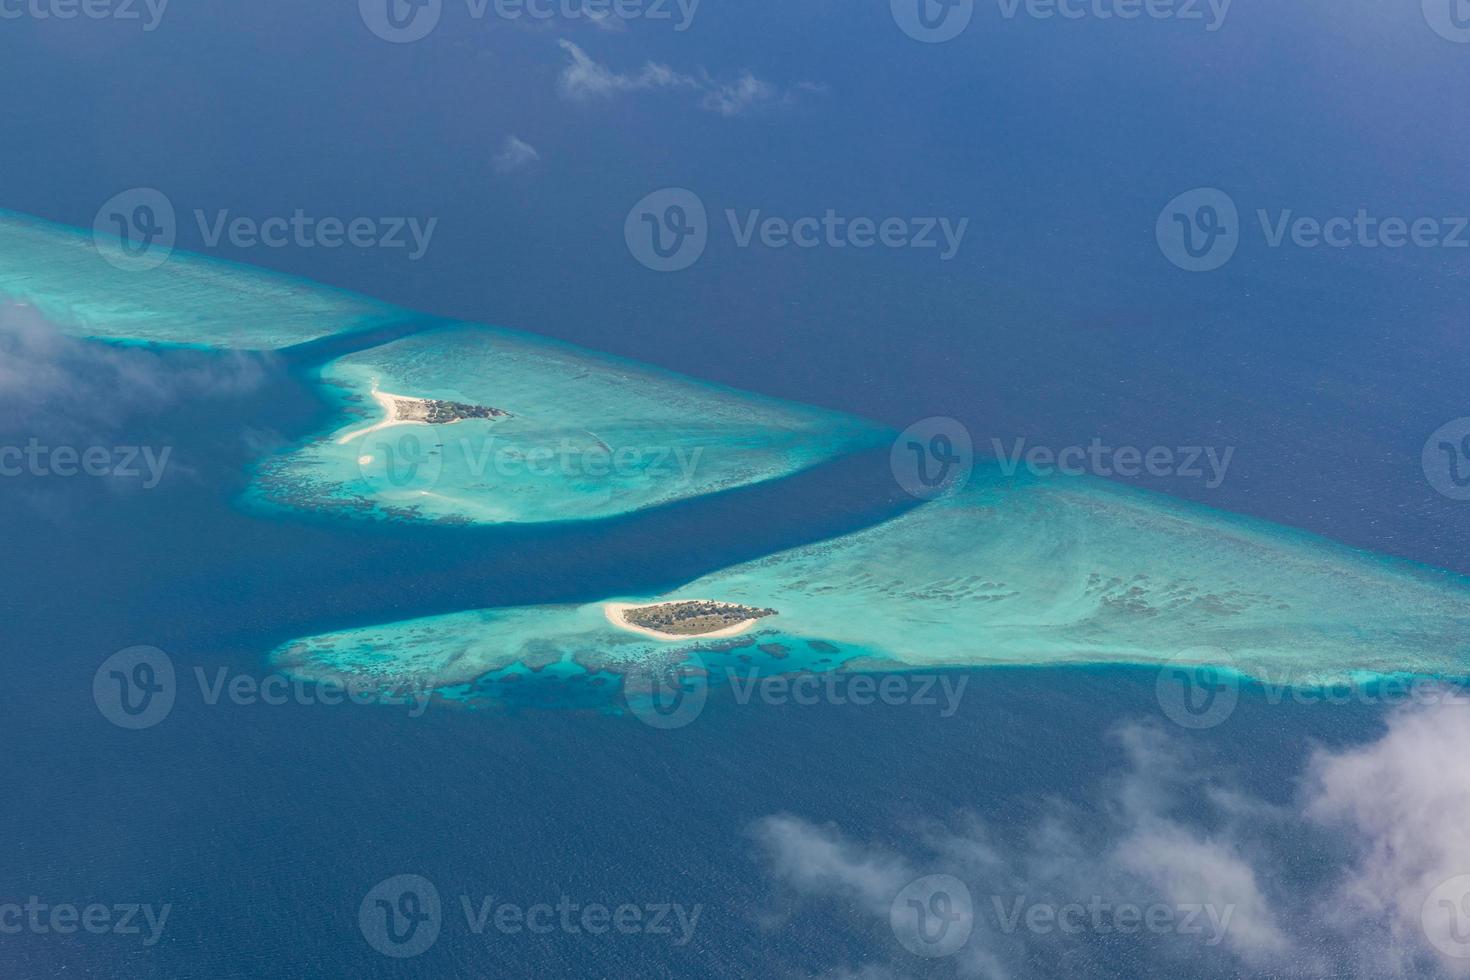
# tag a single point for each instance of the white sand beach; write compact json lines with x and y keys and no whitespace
{"x":389,"y":404}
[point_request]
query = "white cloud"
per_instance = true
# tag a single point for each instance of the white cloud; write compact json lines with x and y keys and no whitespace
{"x":61,"y":387}
{"x":57,"y":390}
{"x":1402,"y":803}
{"x":1187,"y":866}
{"x":1387,"y":818}
{"x":818,"y":860}
{"x":584,"y":79}
{"x":514,"y":155}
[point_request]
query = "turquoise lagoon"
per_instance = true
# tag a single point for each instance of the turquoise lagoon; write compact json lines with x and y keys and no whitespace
{"x":1008,"y":571}
{"x":588,"y":436}
{"x":92,"y":288}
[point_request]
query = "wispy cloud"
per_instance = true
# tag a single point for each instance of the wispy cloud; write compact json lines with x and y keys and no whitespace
{"x":515,"y":154}
{"x":584,"y":79}
{"x":84,"y":398}
{"x":819,"y":859}
{"x":1387,"y":820}
{"x":59,"y":387}
{"x":1400,"y":803}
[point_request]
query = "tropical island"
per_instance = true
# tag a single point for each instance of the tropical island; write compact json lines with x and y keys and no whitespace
{"x":685,"y":617}
{"x":436,"y":412}
{"x":398,"y":409}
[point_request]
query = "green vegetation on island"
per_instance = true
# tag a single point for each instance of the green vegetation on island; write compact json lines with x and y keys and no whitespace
{"x":437,"y":412}
{"x":693,"y":617}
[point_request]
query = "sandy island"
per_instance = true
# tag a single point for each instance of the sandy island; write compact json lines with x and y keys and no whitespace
{"x":389,"y":404}
{"x":408,"y":410}
{"x":616,"y":613}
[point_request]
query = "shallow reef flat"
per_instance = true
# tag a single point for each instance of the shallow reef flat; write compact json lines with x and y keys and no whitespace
{"x":576,"y":435}
{"x":1009,"y":571}
{"x":93,"y":289}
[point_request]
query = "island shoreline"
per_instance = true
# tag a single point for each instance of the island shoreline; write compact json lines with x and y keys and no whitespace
{"x":616,"y":613}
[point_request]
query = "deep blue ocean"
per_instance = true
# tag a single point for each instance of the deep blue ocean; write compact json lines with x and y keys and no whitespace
{"x":264,"y":826}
